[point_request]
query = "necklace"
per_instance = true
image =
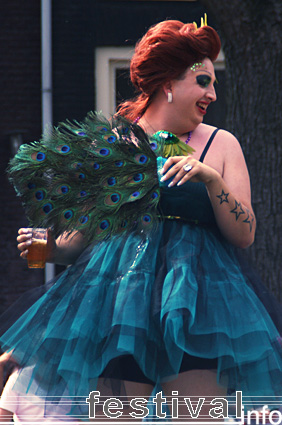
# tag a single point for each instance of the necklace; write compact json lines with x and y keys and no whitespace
{"x":189,"y":137}
{"x":186,"y":141}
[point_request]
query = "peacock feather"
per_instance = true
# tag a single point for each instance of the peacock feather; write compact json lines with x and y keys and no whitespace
{"x":169,"y":145}
{"x":97,"y":176}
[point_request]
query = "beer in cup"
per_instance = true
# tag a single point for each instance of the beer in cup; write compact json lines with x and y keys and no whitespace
{"x":36,"y":257}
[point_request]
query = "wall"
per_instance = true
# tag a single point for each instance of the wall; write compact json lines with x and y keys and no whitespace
{"x":20,"y":109}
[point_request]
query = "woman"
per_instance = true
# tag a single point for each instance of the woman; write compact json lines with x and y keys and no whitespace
{"x":172,"y":309}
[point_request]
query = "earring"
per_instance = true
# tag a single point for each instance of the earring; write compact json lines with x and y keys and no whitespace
{"x":169,"y":97}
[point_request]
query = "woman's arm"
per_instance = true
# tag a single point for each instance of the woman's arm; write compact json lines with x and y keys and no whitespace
{"x":233,"y":211}
{"x":68,"y":249}
{"x":64,"y":250}
{"x":229,"y":193}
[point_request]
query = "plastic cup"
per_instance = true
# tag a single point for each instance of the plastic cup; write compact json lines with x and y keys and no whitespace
{"x":36,"y":257}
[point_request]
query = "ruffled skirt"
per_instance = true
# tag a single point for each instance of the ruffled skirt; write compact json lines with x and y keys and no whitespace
{"x":179,"y":291}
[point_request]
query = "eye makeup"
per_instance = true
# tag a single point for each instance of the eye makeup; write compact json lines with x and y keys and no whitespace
{"x":203,"y":80}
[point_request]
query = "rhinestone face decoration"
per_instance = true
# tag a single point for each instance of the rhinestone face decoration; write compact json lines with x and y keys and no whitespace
{"x":196,"y":66}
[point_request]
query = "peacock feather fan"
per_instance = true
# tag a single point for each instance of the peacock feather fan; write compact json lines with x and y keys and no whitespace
{"x":96,"y":176}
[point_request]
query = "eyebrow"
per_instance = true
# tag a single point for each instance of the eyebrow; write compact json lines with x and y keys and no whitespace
{"x":211,"y":75}
{"x":204,"y":70}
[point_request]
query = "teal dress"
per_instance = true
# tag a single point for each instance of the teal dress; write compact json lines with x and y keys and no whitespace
{"x":171,"y":301}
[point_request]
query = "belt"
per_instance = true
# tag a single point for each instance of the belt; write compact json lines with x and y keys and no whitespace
{"x":175,"y":217}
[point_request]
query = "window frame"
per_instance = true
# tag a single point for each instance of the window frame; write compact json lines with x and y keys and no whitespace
{"x":107,"y":60}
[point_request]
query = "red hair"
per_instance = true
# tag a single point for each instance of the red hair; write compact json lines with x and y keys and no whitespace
{"x":164,"y":53}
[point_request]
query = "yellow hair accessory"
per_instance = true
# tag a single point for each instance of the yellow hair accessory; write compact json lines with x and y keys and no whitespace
{"x":204,"y":21}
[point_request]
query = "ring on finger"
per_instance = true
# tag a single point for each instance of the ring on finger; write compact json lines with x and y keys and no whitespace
{"x":187,"y":167}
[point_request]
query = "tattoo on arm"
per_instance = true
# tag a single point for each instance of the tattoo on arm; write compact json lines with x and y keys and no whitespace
{"x":223,"y":197}
{"x":249,"y":220}
{"x":237,"y":210}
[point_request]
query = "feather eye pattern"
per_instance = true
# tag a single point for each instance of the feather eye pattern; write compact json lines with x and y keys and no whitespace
{"x":96,"y":176}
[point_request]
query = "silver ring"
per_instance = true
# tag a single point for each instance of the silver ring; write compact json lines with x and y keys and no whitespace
{"x":187,"y":167}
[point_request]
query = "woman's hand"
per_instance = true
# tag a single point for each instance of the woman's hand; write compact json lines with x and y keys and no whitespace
{"x":64,"y":250}
{"x":24,"y":242}
{"x":184,"y":168}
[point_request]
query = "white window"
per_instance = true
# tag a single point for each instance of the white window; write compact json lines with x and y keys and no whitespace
{"x":108,"y":60}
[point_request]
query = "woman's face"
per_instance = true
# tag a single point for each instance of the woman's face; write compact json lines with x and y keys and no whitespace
{"x":193,"y":93}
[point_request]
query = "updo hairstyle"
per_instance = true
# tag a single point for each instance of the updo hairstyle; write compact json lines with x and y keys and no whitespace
{"x":164,"y":53}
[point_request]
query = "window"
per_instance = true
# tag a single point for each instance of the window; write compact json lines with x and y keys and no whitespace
{"x":113,"y":82}
{"x":111,"y":64}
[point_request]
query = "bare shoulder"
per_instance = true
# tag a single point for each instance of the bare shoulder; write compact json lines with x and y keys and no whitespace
{"x":224,"y":140}
{"x":228,"y":139}
{"x":229,"y":144}
{"x":205,"y":131}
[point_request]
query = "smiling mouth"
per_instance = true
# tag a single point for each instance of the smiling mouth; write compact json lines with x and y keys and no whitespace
{"x":202,"y":106}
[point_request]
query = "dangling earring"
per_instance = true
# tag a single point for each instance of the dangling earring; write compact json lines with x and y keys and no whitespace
{"x":169,"y":97}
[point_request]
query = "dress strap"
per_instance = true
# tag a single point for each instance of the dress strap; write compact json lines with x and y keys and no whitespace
{"x":208,"y":145}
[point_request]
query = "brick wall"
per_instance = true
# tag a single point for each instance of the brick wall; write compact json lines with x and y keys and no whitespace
{"x":73,"y":59}
{"x":20,"y":108}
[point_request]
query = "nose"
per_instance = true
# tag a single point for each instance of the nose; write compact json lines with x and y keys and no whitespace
{"x":211,"y":93}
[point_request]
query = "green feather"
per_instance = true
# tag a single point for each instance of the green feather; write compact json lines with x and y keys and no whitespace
{"x":95,"y":176}
{"x":170,"y":145}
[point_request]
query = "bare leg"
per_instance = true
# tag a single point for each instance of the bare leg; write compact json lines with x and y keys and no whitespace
{"x":6,"y":416}
{"x":194,"y":385}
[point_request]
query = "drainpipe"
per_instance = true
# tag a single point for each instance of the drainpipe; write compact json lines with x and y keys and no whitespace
{"x":46,"y":83}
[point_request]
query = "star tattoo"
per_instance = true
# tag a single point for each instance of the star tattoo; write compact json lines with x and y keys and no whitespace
{"x":223,"y":197}
{"x":249,"y":220}
{"x":238,"y":210}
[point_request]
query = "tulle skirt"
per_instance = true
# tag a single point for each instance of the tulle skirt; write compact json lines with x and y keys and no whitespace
{"x":181,"y":290}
